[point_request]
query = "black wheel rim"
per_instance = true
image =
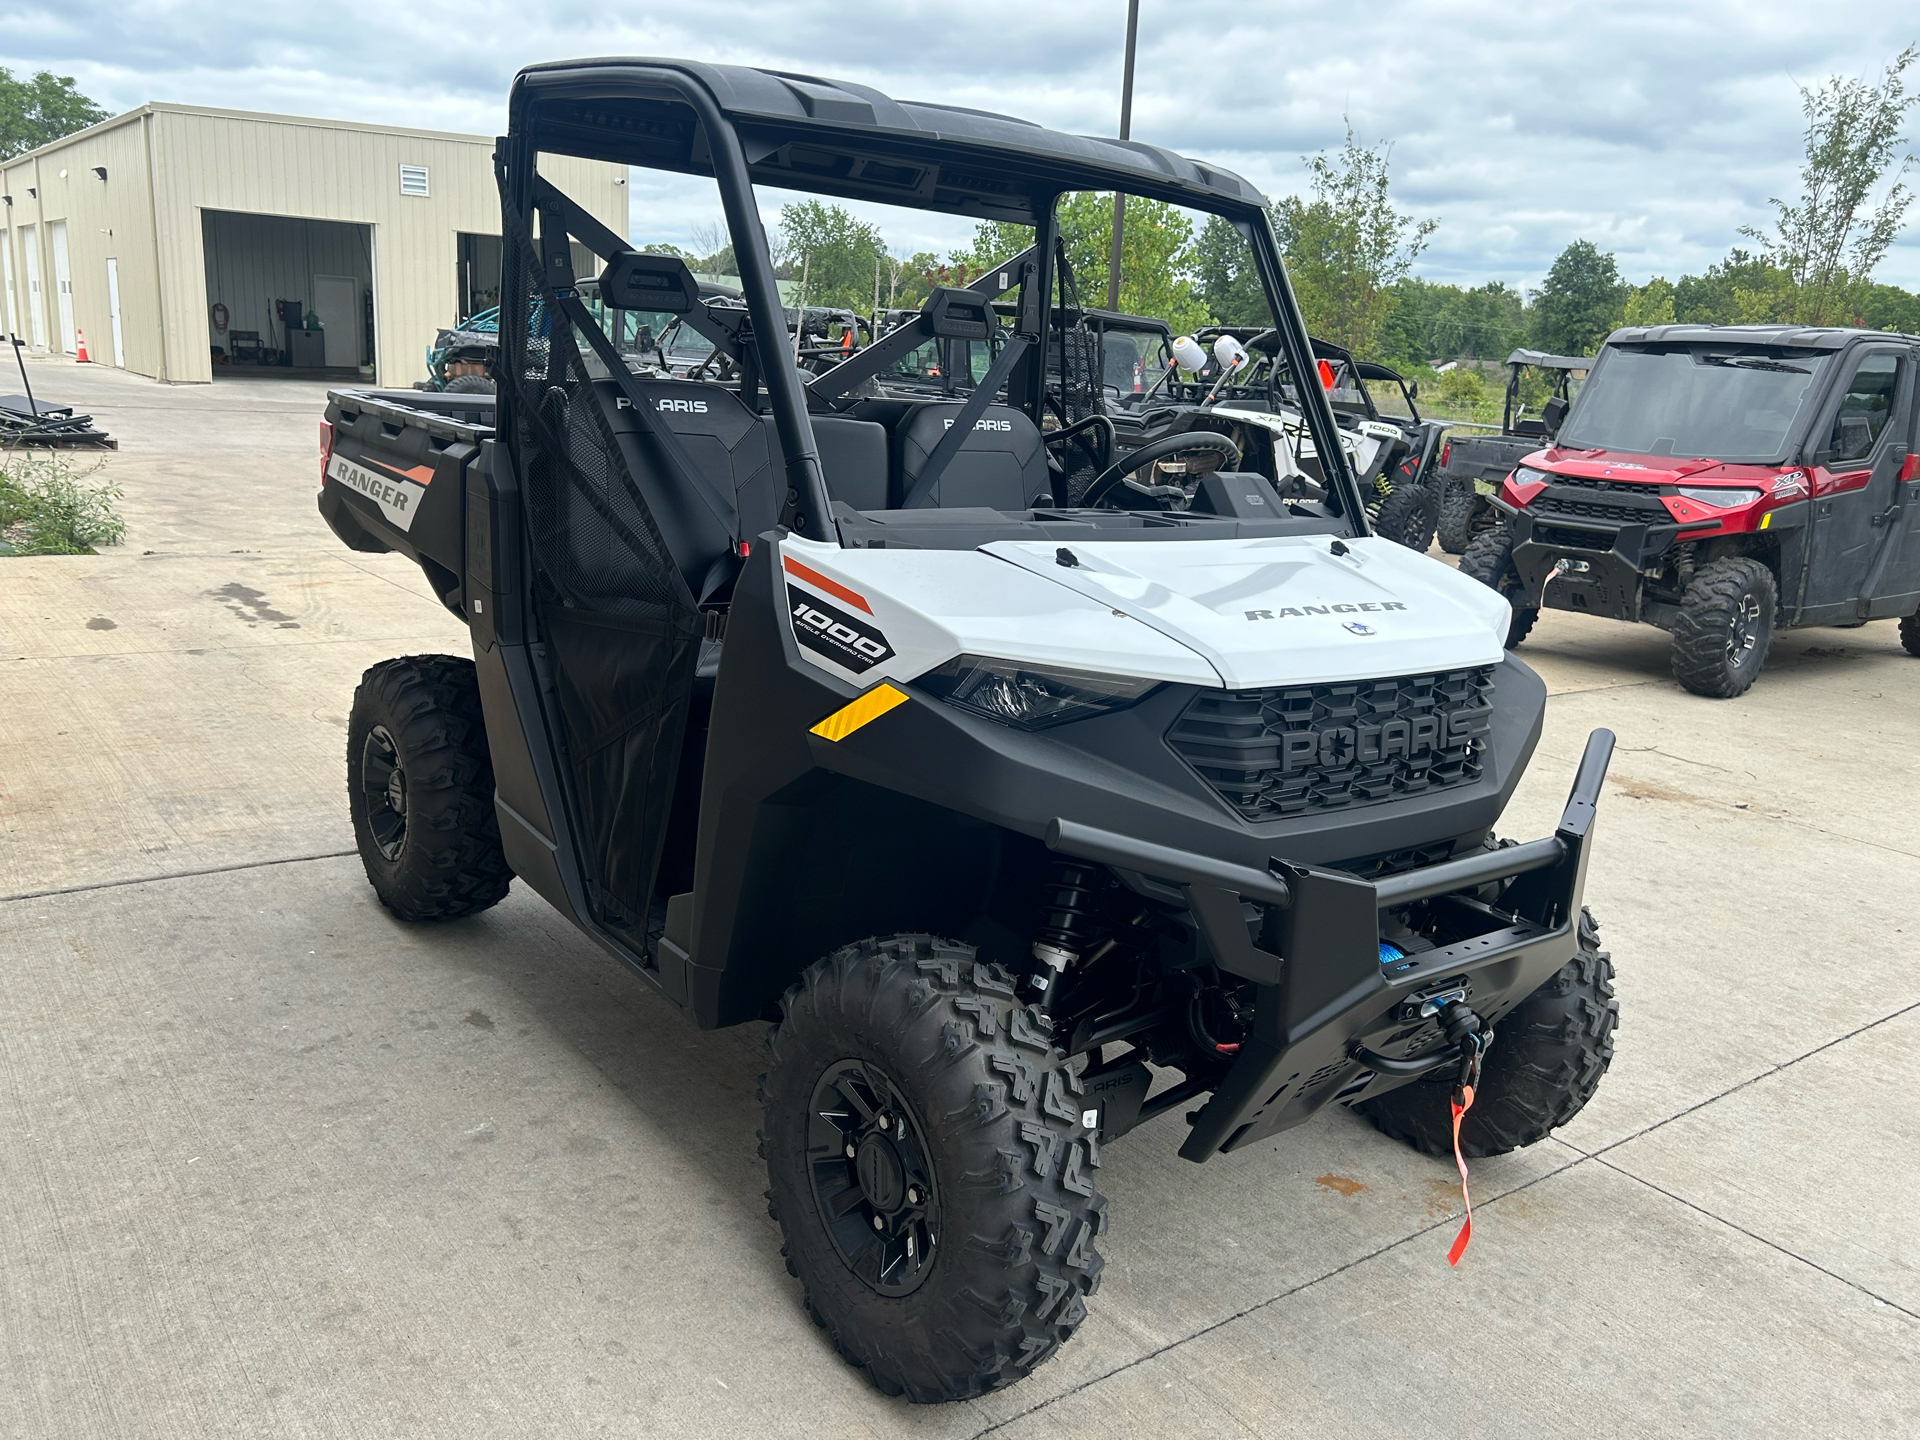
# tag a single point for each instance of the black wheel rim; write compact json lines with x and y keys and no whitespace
{"x":383,"y":791}
{"x":872,"y":1182}
{"x":1744,"y":637}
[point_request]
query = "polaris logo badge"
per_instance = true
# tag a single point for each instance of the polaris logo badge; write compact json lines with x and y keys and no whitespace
{"x":1359,"y":628}
{"x":1363,"y":605}
{"x":827,"y":630}
{"x":1341,"y":745}
{"x":982,"y":425}
{"x":667,"y":407}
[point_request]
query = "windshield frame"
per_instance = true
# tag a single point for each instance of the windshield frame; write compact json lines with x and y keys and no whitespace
{"x":1824,"y":363}
{"x":668,"y":115}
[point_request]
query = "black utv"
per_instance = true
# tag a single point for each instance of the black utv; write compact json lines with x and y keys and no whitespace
{"x":1021,"y":818}
{"x":1472,"y":466}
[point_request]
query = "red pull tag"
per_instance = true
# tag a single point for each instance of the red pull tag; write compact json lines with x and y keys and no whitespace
{"x":1461,"y":1103}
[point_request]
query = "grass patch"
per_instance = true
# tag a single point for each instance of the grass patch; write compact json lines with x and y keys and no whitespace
{"x":48,"y":506}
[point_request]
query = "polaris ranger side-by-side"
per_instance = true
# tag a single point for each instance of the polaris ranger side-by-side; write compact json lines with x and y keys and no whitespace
{"x":1025,"y":822}
{"x":1722,"y":482}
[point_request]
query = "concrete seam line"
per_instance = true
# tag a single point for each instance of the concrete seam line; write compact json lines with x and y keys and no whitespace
{"x":1288,"y":1293}
{"x":1750,"y":1080}
{"x":176,"y":875}
{"x":1759,"y":1239}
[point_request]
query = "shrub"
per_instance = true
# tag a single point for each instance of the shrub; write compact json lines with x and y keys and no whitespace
{"x":47,"y":507}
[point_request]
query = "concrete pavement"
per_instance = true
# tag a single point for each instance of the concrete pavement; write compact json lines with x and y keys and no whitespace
{"x":279,"y":1164}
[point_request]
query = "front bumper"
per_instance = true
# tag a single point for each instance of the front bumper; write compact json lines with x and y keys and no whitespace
{"x":1596,"y":567}
{"x":1328,"y":1011}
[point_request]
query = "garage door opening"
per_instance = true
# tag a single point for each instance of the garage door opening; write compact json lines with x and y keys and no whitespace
{"x":288,"y":298}
{"x":478,"y":281}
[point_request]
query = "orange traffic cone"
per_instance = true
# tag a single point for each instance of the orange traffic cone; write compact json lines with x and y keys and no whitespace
{"x":80,"y":340}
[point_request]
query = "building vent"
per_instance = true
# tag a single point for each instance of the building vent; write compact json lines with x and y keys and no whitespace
{"x":413,"y":180}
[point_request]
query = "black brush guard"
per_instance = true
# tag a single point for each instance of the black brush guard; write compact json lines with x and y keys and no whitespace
{"x":1326,"y":1002}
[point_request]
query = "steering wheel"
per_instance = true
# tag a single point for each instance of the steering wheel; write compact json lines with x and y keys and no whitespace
{"x":1121,"y":471}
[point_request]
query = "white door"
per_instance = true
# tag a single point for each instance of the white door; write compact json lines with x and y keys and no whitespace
{"x":113,"y":311}
{"x":62,"y":284}
{"x":36,"y":301}
{"x":336,"y":300}
{"x":12,"y":319}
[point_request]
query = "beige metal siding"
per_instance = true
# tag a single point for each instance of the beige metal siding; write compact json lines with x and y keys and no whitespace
{"x":104,"y":217}
{"x":168,"y":164}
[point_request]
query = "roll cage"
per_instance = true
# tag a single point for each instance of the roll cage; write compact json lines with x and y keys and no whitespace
{"x":745,"y":127}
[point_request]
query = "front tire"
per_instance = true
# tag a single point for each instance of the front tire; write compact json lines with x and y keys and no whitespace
{"x":1407,"y":517}
{"x":1725,"y":627}
{"x":1546,"y":1061}
{"x":1489,"y":559}
{"x":1458,"y":502}
{"x":1910,"y":634}
{"x":420,"y":786}
{"x":950,"y":1118}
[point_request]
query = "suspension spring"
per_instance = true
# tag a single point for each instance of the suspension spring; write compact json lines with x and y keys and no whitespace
{"x":1067,"y":921}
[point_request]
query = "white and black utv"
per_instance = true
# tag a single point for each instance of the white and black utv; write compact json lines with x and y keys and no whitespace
{"x":808,"y":697}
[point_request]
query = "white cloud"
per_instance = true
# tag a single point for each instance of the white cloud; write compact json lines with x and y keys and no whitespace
{"x":1654,"y":129}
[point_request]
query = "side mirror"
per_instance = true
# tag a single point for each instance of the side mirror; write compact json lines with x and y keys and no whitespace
{"x":1553,"y":412}
{"x":1413,"y":389}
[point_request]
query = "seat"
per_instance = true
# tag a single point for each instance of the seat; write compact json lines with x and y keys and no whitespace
{"x":1002,"y":465}
{"x":853,"y":460}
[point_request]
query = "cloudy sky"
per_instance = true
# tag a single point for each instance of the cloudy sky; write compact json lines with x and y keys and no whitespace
{"x":1655,"y":128}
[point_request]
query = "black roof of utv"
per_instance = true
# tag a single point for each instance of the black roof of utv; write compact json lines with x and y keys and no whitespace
{"x":843,"y":138}
{"x":1801,"y":337}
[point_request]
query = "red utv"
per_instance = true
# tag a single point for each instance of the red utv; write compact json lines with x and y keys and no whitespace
{"x":1721,"y":482}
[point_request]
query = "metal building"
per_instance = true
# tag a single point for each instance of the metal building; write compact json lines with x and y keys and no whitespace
{"x":186,"y":243}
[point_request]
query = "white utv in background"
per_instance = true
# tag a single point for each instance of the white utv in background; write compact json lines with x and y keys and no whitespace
{"x":816,"y":703}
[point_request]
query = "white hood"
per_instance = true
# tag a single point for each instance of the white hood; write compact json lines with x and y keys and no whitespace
{"x":1287,"y":610}
{"x":1242,"y":613}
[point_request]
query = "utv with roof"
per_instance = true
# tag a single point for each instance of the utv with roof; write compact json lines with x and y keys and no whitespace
{"x":1722,"y":483}
{"x":1472,"y":466}
{"x":1023,"y":823}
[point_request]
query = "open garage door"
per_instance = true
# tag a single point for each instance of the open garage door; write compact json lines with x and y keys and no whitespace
{"x":287,"y":296}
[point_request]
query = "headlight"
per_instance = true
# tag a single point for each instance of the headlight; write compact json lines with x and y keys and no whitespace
{"x":1526,"y":475}
{"x":1030,"y":697}
{"x":1718,"y":496}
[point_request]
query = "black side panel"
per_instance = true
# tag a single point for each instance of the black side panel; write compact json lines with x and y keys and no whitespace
{"x":620,"y":695}
{"x":622,"y":628}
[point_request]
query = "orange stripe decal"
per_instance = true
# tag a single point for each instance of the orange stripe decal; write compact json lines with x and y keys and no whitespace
{"x":832,"y":587}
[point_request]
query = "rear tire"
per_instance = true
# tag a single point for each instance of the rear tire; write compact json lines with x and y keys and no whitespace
{"x":1489,"y":559}
{"x":1910,"y":634}
{"x":420,"y":786}
{"x":1458,"y":501}
{"x":991,"y":1142}
{"x":469,"y":385}
{"x":1725,"y":627}
{"x":1546,"y":1061}
{"x":1407,"y":517}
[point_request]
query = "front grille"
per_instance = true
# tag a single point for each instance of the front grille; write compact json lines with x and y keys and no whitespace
{"x":1616,"y":487}
{"x":1294,"y":749}
{"x":1552,"y":504}
{"x":1563,"y":539}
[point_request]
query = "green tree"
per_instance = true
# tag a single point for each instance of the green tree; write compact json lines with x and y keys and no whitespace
{"x":1829,"y":241}
{"x":1650,"y":304}
{"x":1580,"y":302}
{"x":1346,"y":245}
{"x":39,"y":111}
{"x":1887,"y":307}
{"x":1224,"y":277}
{"x":1157,"y":255}
{"x":837,"y":254}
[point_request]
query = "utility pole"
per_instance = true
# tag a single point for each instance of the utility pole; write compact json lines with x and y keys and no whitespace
{"x":1126,"y":133}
